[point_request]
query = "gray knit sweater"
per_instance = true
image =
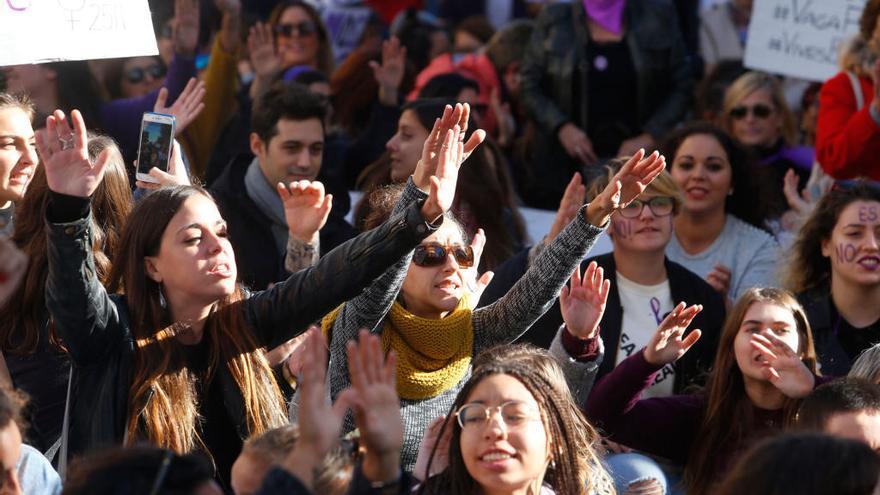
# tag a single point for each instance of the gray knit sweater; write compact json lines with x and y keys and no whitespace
{"x":500,"y":323}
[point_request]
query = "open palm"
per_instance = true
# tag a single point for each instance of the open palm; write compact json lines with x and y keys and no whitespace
{"x":668,"y":342}
{"x":784,"y":368}
{"x":583,"y":302}
{"x":433,"y":151}
{"x":64,"y":152}
{"x":306,"y":208}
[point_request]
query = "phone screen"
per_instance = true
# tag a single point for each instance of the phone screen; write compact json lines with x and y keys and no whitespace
{"x":156,"y":138}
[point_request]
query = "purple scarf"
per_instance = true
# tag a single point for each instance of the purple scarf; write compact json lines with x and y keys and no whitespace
{"x":606,"y":13}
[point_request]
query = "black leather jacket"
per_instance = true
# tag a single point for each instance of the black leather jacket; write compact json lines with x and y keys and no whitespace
{"x":96,"y":326}
{"x":556,"y":51}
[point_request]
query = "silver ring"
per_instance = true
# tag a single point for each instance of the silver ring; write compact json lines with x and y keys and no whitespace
{"x":66,"y":144}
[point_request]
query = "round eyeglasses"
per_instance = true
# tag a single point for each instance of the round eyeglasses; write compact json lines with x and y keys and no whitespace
{"x":513,"y":414}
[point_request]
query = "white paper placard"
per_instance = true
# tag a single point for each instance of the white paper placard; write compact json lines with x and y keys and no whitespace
{"x":800,"y":38}
{"x":35,"y":31}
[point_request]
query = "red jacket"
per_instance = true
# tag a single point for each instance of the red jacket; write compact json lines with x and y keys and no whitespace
{"x":847,"y":140}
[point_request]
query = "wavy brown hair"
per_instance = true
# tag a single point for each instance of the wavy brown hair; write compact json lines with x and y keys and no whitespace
{"x":728,"y":417}
{"x":566,"y":428}
{"x":808,"y":268}
{"x":162,"y":400}
{"x":23,"y":317}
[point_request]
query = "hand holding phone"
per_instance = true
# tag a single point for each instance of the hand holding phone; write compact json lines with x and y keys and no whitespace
{"x":157,"y":134}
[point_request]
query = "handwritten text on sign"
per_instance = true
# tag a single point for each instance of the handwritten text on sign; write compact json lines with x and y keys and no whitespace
{"x":800,"y":38}
{"x":34,"y":31}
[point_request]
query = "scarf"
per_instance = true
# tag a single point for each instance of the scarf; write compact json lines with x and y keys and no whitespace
{"x":267,"y":200}
{"x":432,"y":355}
{"x":606,"y":13}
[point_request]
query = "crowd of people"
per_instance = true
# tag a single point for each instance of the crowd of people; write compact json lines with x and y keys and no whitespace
{"x":243,"y":324}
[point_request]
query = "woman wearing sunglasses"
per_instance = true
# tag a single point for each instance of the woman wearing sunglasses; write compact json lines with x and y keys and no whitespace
{"x":757,"y":116}
{"x":423,"y":306}
{"x":301,"y":37}
{"x":135,"y":77}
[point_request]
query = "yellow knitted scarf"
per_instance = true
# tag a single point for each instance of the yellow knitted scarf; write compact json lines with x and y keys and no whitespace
{"x":432,"y":355}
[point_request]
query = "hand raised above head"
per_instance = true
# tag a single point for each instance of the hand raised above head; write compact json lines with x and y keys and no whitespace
{"x":627,"y":184}
{"x":668,"y":342}
{"x":64,"y":153}
{"x":477,"y":282}
{"x":432,"y":150}
{"x":186,"y":107}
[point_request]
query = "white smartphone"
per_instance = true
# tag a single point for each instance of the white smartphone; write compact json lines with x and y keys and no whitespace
{"x":157,"y":136}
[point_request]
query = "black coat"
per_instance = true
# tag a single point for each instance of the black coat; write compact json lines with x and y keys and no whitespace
{"x":684,"y":285}
{"x":250,"y":230}
{"x":96,"y":327}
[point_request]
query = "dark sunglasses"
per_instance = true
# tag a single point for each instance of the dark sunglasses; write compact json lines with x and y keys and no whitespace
{"x":760,"y":111}
{"x":304,"y":28}
{"x":137,"y":75}
{"x":434,"y":254}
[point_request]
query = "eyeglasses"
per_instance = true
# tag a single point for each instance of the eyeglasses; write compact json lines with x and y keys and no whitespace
{"x":304,"y":28}
{"x":660,"y":206}
{"x":434,"y":254}
{"x":760,"y":111}
{"x":136,"y":75}
{"x":513,"y":414}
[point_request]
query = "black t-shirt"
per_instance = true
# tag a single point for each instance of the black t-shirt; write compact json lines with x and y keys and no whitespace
{"x":854,"y":340}
{"x":612,"y":92}
{"x":216,"y":428}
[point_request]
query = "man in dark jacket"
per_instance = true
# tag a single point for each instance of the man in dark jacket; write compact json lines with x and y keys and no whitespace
{"x":287,"y":141}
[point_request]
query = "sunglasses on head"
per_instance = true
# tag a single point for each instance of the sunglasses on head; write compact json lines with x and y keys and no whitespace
{"x":304,"y":28}
{"x":434,"y":254}
{"x":136,"y":75}
{"x":760,"y":111}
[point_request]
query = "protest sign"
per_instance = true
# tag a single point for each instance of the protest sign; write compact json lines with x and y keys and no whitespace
{"x":35,"y":31}
{"x":800,"y":38}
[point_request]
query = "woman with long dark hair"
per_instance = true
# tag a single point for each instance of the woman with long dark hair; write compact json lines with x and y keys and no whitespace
{"x":764,"y":365}
{"x":834,"y":269}
{"x":175,"y":357}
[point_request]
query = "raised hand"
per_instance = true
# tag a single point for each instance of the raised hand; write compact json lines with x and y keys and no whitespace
{"x":389,"y":74}
{"x":186,"y":26}
{"x":186,"y":108}
{"x":13,"y":266}
{"x":583,"y":304}
{"x":64,"y":152}
{"x":376,"y":406}
{"x":477,"y":283}
{"x":668,"y":342}
{"x":263,"y":54}
{"x":627,"y":184}
{"x":176,"y":175}
{"x":571,"y":202}
{"x":782,"y":366}
{"x":319,"y":423}
{"x":435,"y":437}
{"x":504,"y":117}
{"x":433,"y":147}
{"x":719,"y":279}
{"x":306,"y":208}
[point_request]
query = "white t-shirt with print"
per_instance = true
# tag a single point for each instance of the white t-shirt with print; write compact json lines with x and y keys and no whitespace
{"x":644,"y":307}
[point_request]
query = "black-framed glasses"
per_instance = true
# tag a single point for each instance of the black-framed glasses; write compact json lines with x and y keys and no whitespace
{"x":660,"y":206}
{"x":512,"y":413}
{"x":760,"y":111}
{"x":136,"y":75}
{"x":162,"y":473}
{"x":304,"y":28}
{"x":434,"y":254}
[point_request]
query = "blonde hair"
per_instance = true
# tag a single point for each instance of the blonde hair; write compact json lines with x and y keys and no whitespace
{"x":747,"y":84}
{"x":663,"y":185}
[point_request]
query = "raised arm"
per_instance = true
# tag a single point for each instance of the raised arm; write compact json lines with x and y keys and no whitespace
{"x":654,"y":425}
{"x":84,"y":315}
{"x":533,"y":294}
{"x":285,"y":310}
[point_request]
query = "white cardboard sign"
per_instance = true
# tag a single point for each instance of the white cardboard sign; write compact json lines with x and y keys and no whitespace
{"x":800,"y":38}
{"x":36,"y":31}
